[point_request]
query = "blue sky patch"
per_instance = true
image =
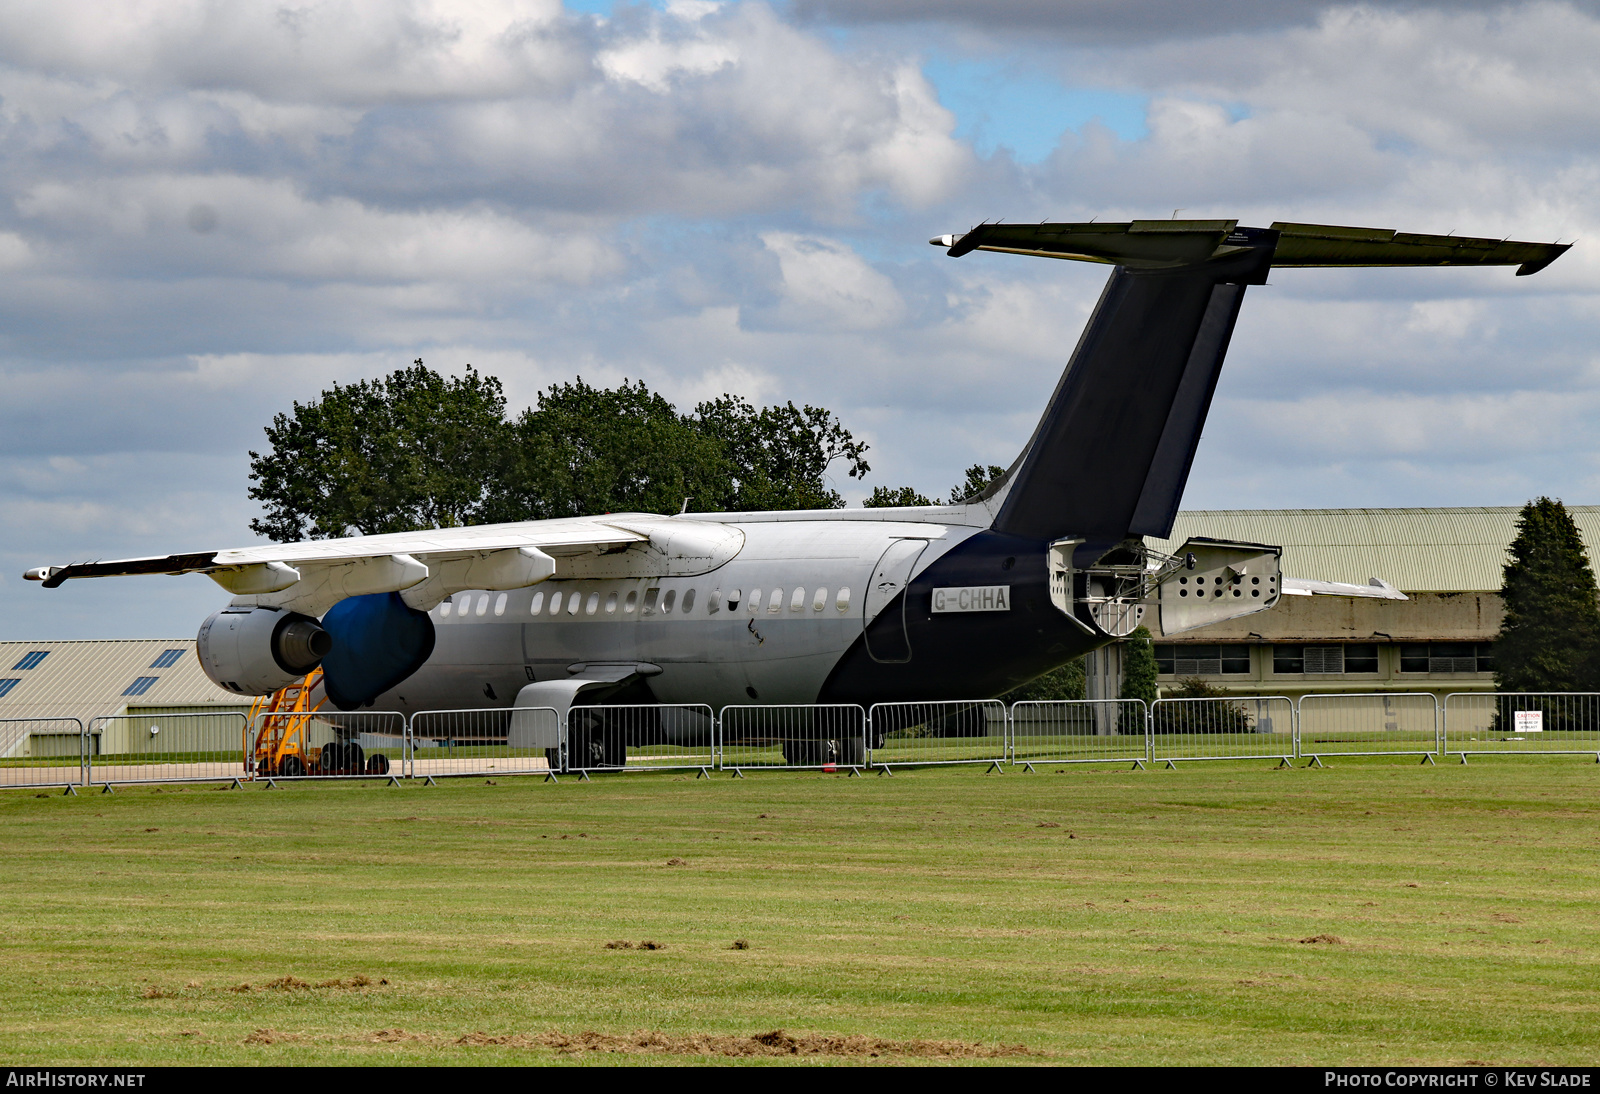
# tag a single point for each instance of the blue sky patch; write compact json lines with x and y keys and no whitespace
{"x":1002,"y":105}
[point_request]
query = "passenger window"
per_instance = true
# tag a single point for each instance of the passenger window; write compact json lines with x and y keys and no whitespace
{"x":593,"y":605}
{"x":483,"y":603}
{"x":688,"y":602}
{"x":444,"y":607}
{"x":555,"y":602}
{"x":819,"y":601}
{"x":667,"y":601}
{"x":500,"y":604}
{"x":538,"y":603}
{"x":733,"y":600}
{"x":798,"y":600}
{"x":775,"y":602}
{"x":842,"y":602}
{"x":714,"y":602}
{"x":755,"y":601}
{"x":572,"y":601}
{"x":611,"y":603}
{"x":632,"y":602}
{"x":650,"y":601}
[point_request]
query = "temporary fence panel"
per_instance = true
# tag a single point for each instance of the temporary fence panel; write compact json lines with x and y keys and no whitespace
{"x":42,"y":752}
{"x":1512,"y":723}
{"x":649,"y":737}
{"x":1080,"y":731}
{"x":159,"y":748}
{"x":501,"y":741}
{"x":827,"y":737}
{"x":1241,"y":728}
{"x":971,"y":732}
{"x":1375,"y":724}
{"x":327,"y":744}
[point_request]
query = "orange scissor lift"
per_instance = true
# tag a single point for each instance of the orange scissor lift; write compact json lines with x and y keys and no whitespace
{"x":281,"y":722}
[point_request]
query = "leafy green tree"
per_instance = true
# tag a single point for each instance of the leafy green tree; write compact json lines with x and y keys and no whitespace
{"x":778,"y":457}
{"x":1550,"y":637}
{"x":412,"y":450}
{"x":885,"y":497}
{"x":584,"y":450}
{"x":1139,"y":669}
{"x":978,"y":477}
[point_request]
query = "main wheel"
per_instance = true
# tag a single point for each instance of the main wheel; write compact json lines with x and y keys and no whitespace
{"x":377,"y":764}
{"x":355,"y":758}
{"x":851,"y":754}
{"x":808,"y":752}
{"x":331,"y":760}
{"x":292,"y":767}
{"x":552,"y":757}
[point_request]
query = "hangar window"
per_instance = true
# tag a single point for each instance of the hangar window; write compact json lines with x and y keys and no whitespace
{"x":141,"y":685}
{"x":31,"y":660}
{"x":7,"y":685}
{"x":819,"y":601}
{"x":688,"y":601}
{"x":538,"y":603}
{"x":555,"y":602}
{"x":1447,"y":657}
{"x":611,"y":603}
{"x":1196,"y":660}
{"x":167,"y":659}
{"x":500,"y":604}
{"x":842,"y":601}
{"x":775,"y":602}
{"x":797,"y":601}
{"x":593,"y":604}
{"x":1325,"y":660}
{"x":631,"y":604}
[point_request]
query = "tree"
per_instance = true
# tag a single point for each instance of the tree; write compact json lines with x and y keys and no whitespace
{"x":584,"y":450}
{"x":1139,"y":669}
{"x":978,"y":478}
{"x":412,"y":450}
{"x":1550,"y":636}
{"x":884,"y":497}
{"x":778,"y":457}
{"x":1066,"y":682}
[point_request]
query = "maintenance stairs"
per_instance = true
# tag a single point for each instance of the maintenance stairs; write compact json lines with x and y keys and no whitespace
{"x":282,"y":721}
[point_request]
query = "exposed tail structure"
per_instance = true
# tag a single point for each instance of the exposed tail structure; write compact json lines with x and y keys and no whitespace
{"x":1113,"y":448}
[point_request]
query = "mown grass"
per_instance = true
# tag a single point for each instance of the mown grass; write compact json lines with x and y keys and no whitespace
{"x":1094,"y":915}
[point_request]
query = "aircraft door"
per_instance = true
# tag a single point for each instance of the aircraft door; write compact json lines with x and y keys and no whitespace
{"x":886,"y":637}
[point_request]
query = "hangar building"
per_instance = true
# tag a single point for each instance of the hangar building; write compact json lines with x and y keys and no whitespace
{"x":1448,"y":561}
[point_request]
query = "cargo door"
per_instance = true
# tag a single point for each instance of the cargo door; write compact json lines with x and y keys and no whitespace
{"x":887,"y":641}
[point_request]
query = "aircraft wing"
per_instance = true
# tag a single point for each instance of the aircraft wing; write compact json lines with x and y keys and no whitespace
{"x":1304,"y":586}
{"x":427,"y":566}
{"x":1154,"y":244}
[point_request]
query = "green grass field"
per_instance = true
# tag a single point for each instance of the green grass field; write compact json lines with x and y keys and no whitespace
{"x":1220,"y":913}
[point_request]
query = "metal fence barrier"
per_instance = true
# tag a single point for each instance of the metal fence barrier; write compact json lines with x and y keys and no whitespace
{"x":1080,"y":731}
{"x":1236,"y":728}
{"x":43,"y":752}
{"x":648,"y":737}
{"x":164,"y":748}
{"x":794,"y":736}
{"x":906,"y":734}
{"x":1370,"y":724}
{"x":326,"y":744}
{"x":503,"y":741}
{"x":1513,"y":723}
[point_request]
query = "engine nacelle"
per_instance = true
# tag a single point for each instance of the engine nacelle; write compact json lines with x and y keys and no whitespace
{"x":256,"y":651}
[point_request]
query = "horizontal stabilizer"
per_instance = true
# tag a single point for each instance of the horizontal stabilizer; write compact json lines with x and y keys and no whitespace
{"x":1159,"y":244}
{"x":1377,"y":587}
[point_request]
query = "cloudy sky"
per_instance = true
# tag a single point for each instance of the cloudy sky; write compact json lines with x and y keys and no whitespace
{"x":211,"y":210}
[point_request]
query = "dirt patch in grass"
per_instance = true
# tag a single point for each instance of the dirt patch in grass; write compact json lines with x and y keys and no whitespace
{"x":294,"y":983}
{"x":775,"y":1042}
{"x":270,"y":1037}
{"x":1322,"y":940}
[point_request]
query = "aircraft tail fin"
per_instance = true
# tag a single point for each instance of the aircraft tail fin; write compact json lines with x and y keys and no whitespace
{"x":1113,"y":449}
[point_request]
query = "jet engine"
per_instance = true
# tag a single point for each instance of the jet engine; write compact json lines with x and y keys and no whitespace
{"x":256,"y":651}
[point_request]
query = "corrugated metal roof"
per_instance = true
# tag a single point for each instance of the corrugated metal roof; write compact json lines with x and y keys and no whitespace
{"x":1416,"y":550}
{"x":88,"y":679}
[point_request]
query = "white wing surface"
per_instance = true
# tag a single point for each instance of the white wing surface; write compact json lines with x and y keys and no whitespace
{"x":427,"y":566}
{"x":1305,"y":586}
